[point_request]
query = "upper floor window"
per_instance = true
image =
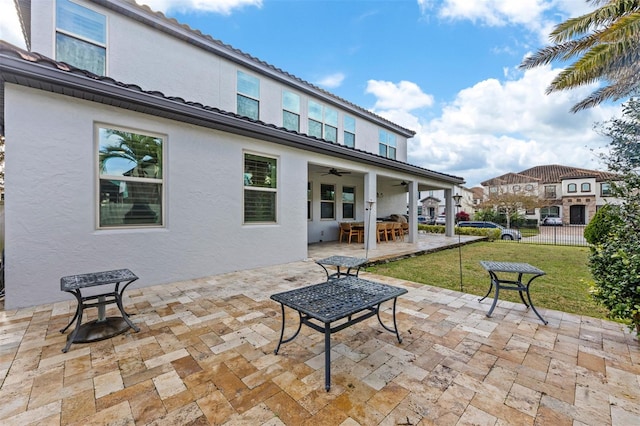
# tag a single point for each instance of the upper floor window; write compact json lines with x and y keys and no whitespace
{"x":493,"y":190}
{"x":349,"y":131}
{"x":260,"y":188}
{"x":528,"y":187}
{"x":550,"y":191}
{"x":290,"y":111}
{"x":387,"y":144}
{"x":323,"y":122}
{"x":605,"y":190}
{"x":585,"y":187}
{"x":516,"y":188}
{"x":248,"y":88}
{"x":327,"y":201}
{"x":572,"y":187}
{"x":348,"y":202}
{"x":81,"y":37}
{"x":131,"y":178}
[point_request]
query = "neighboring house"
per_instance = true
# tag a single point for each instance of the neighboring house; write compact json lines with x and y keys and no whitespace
{"x":435,"y":202}
{"x":571,"y":193}
{"x":136,"y":142}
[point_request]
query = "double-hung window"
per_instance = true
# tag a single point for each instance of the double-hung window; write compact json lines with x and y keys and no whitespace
{"x":290,"y":111}
{"x":248,"y":88}
{"x":81,"y":37}
{"x":327,"y":201}
{"x":348,"y":202}
{"x":387,"y":144}
{"x":323,"y":122}
{"x":349,"y":131}
{"x":605,"y":190}
{"x":550,"y":191}
{"x":131,"y":178}
{"x":309,"y":199}
{"x":260,"y":188}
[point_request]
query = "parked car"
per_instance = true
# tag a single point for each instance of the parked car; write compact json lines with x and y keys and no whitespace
{"x":440,"y":219}
{"x":505,"y":233}
{"x":552,"y":221}
{"x":423,"y":220}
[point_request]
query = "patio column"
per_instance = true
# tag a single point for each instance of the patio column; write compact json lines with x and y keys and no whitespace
{"x":450,"y":213}
{"x":370,"y":213}
{"x":413,"y":211}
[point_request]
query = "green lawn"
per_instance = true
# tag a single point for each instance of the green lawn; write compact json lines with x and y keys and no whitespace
{"x":564,"y":288}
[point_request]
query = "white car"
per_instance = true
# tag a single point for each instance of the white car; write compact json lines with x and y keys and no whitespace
{"x":441,"y":219}
{"x":552,"y":221}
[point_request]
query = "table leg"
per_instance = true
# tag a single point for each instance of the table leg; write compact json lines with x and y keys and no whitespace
{"x":280,"y":342}
{"x":327,"y":356}
{"x":531,"y":303}
{"x":78,"y":316}
{"x":101,"y":309}
{"x":395,"y":325}
{"x":488,"y":292}
{"x":495,"y":298}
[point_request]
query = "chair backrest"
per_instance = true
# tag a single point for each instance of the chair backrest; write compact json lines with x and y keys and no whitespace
{"x":346,"y":226}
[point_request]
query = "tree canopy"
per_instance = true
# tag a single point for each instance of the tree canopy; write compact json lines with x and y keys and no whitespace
{"x":604,"y":44}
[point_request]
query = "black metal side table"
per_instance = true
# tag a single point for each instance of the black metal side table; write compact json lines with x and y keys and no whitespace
{"x":504,"y":284}
{"x":342,"y":262}
{"x":103,"y":327}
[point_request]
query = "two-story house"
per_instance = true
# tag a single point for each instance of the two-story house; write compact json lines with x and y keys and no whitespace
{"x":571,"y":193}
{"x":134,"y":141}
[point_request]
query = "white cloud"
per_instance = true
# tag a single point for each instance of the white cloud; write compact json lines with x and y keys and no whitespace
{"x":404,"y":96}
{"x":495,"y":127}
{"x":331,"y":81}
{"x":10,"y":30}
{"x":223,"y":7}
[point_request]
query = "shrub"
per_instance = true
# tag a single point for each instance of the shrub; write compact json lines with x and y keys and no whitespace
{"x":615,"y":265}
{"x":601,"y":224}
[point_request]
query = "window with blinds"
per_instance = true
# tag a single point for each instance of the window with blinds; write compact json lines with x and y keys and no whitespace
{"x":260,"y":189}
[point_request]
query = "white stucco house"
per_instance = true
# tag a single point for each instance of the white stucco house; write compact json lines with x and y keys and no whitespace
{"x":133,"y":141}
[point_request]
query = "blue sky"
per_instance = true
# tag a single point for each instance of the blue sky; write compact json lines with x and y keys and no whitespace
{"x":447,"y":69}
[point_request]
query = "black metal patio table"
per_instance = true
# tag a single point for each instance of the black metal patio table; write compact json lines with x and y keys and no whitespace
{"x":350,"y":298}
{"x":518,"y":285}
{"x":342,"y":262}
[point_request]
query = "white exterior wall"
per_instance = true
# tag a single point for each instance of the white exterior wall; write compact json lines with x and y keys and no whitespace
{"x":138,"y":54}
{"x":51,"y":201}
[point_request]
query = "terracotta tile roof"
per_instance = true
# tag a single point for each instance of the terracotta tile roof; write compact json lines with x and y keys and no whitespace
{"x":552,"y":173}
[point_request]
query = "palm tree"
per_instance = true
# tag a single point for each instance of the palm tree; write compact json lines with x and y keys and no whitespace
{"x":606,"y":43}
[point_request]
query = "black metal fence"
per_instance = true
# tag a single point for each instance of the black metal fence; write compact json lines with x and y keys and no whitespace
{"x":567,"y":235}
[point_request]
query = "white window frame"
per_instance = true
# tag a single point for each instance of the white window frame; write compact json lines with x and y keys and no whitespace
{"x":118,"y":177}
{"x":65,"y":32}
{"x":250,"y":187}
{"x":387,"y":144}
{"x":251,"y":96}
{"x":325,"y":201}
{"x":290,"y":108}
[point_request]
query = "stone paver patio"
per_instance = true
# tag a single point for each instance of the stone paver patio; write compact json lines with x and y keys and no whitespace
{"x":204,"y":355}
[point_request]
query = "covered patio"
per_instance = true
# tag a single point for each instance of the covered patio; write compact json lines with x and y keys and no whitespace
{"x":204,"y":355}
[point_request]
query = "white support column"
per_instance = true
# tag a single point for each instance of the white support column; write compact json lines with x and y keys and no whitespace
{"x":370,"y":214}
{"x":413,"y":212}
{"x":450,"y":213}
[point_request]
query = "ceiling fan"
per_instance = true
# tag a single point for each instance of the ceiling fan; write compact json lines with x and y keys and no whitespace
{"x":403,"y":183}
{"x":336,"y":172}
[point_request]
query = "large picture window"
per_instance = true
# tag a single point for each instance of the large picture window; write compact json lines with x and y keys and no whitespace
{"x":248,"y":88}
{"x":81,"y":37}
{"x":260,"y":188}
{"x":131,"y":178}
